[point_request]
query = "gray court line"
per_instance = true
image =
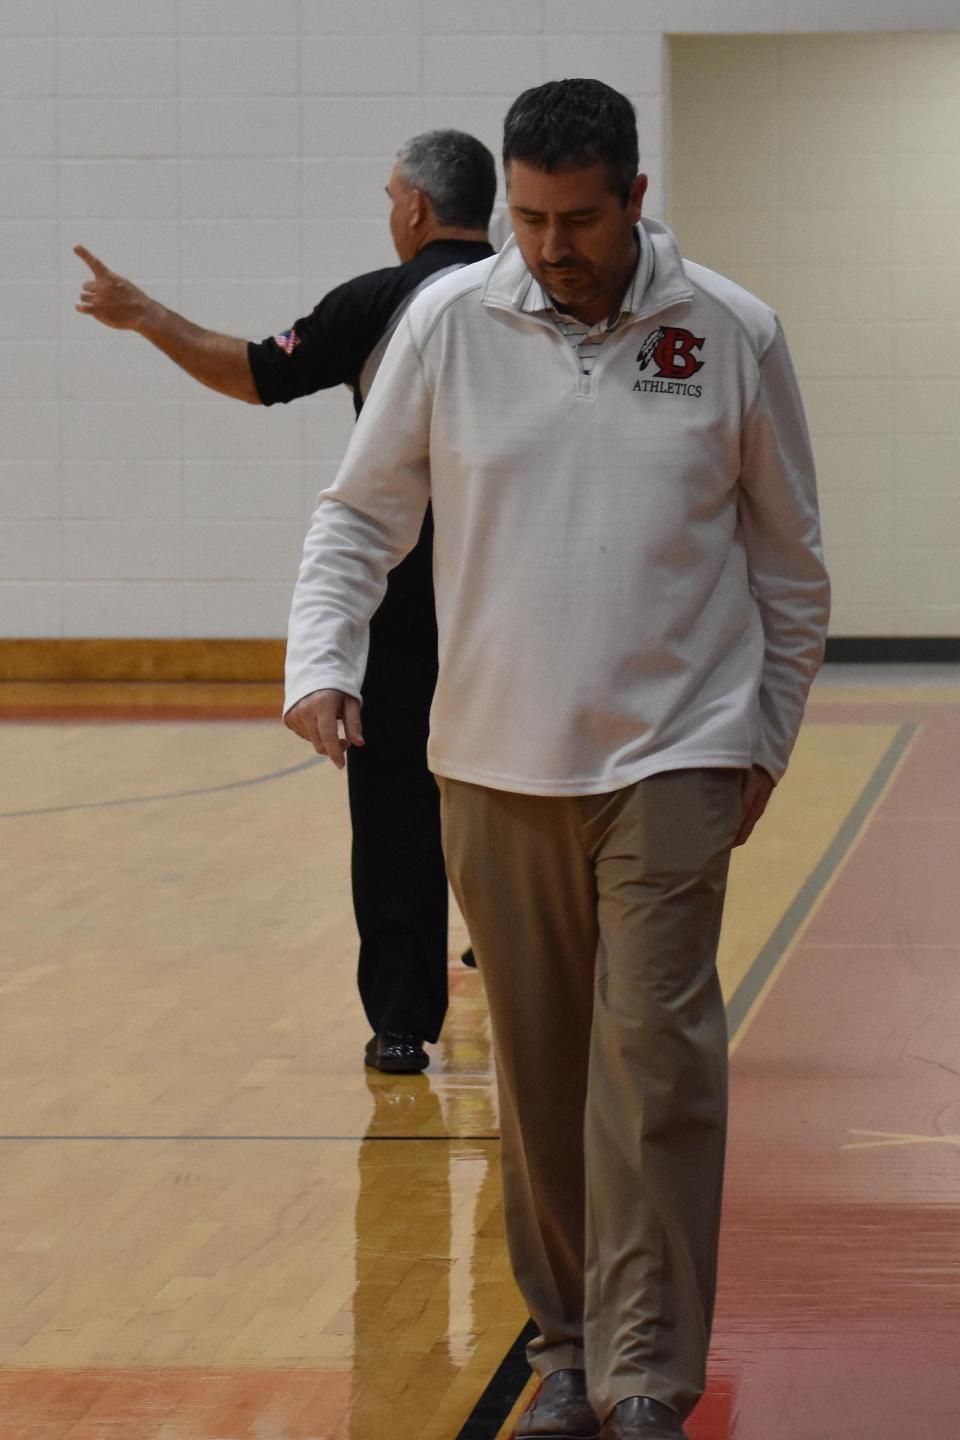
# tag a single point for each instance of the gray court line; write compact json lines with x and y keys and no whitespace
{"x":168,"y":795}
{"x":738,"y":1006}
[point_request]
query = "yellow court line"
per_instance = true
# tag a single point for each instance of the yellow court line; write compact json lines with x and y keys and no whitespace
{"x":831,"y":767}
{"x":814,"y":910}
{"x":911,"y":695}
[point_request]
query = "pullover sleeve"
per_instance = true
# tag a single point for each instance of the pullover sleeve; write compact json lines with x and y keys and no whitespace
{"x":364,"y":524}
{"x":781,"y":528}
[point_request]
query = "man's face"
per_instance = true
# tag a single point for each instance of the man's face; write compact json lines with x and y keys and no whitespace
{"x":575,"y":234}
{"x":402,"y":217}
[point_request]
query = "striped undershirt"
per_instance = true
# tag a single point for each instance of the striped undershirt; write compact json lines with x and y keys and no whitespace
{"x":587,"y":339}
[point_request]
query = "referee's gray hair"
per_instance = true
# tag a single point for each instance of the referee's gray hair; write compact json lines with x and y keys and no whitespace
{"x":456,"y":171}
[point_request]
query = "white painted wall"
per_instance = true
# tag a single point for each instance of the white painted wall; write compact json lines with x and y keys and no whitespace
{"x":230,"y":155}
{"x":823,"y":172}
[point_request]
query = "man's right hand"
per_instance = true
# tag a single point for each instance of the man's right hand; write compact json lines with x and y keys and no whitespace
{"x":219,"y":361}
{"x":110,"y":298}
{"x":317,"y":718}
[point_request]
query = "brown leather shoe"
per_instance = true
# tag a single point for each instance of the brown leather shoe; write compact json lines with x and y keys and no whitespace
{"x":640,"y":1418}
{"x":560,"y":1410}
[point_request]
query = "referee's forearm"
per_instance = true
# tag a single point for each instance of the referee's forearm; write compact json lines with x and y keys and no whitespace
{"x":220,"y":362}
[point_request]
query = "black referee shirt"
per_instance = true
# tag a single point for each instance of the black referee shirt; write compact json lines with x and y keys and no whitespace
{"x":330,"y":347}
{"x":331,"y":344}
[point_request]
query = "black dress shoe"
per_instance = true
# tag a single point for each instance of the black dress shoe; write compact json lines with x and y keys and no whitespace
{"x":560,"y":1410}
{"x":469,"y":959}
{"x":396,"y":1054}
{"x":640,"y":1418}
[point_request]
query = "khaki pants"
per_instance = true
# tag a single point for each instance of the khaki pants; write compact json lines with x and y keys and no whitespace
{"x":595,"y":922}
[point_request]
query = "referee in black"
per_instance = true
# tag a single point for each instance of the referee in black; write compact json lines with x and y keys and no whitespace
{"x":441,"y":190}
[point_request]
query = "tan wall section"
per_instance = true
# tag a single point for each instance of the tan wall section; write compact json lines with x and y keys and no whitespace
{"x":823,"y":173}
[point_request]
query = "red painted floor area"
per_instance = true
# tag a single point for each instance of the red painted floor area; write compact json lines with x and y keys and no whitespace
{"x":839,"y":1309}
{"x":172,"y":1404}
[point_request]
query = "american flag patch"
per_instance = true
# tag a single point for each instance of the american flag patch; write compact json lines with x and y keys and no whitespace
{"x":288,"y":340}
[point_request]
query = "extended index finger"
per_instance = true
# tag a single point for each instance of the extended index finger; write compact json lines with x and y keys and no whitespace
{"x":88,"y":258}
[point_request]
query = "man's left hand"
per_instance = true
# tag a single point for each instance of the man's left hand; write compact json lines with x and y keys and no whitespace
{"x":757,"y":789}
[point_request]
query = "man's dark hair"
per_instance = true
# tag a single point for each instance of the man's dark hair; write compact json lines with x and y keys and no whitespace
{"x":569,"y":124}
{"x":456,"y":171}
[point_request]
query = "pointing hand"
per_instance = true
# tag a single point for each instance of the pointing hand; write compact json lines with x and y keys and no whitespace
{"x":110,"y":298}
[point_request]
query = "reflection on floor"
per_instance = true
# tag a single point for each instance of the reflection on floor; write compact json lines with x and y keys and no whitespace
{"x":217,"y":1226}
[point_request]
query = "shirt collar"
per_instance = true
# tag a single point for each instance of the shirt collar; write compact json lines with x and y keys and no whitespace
{"x":537,"y":301}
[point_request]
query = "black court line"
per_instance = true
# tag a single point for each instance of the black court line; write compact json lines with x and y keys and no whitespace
{"x":168,"y":795}
{"x":491,"y":1410}
{"x":249,"y":1139}
{"x":489,"y":1414}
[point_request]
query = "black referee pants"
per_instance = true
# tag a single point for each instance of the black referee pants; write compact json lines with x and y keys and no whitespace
{"x":399,"y":880}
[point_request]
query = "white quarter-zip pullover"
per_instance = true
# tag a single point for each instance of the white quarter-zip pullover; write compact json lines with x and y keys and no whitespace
{"x":627,"y":563}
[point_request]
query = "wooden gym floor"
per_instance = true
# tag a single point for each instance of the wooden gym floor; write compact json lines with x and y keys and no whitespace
{"x":218,"y":1226}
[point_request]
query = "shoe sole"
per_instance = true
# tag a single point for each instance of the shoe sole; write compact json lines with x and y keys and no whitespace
{"x":556,"y":1435}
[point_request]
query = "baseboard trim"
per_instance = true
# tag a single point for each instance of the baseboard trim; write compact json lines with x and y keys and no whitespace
{"x":893,"y":649}
{"x":261,"y":661}
{"x":156,"y":660}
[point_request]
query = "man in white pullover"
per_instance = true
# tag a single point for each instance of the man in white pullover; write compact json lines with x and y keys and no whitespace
{"x":631,"y":603}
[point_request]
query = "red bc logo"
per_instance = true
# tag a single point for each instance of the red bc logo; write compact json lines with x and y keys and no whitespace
{"x":671,"y":350}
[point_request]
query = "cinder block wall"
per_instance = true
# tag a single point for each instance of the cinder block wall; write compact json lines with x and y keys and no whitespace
{"x":230,"y":156}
